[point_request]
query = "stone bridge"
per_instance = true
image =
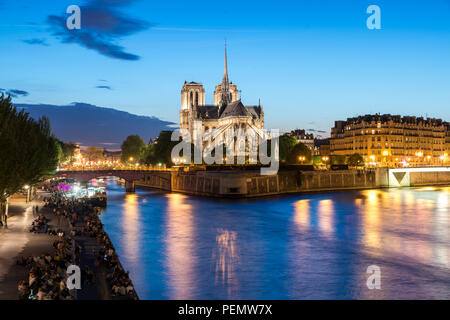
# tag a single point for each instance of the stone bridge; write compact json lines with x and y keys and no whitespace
{"x":160,"y":179}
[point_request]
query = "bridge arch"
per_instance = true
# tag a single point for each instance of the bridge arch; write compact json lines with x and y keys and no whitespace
{"x":130,"y":176}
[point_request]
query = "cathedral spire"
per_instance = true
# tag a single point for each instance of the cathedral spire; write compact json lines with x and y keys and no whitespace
{"x":226,"y":94}
{"x":225,"y":69}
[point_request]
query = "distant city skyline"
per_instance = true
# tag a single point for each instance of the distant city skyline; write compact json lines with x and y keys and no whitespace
{"x":310,"y":63}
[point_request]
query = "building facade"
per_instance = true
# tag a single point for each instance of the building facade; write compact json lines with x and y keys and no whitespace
{"x":392,"y":140}
{"x":227,"y":112}
{"x":302,"y":136}
{"x":322,"y":147}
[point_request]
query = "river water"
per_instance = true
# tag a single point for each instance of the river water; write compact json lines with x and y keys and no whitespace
{"x":315,"y":246}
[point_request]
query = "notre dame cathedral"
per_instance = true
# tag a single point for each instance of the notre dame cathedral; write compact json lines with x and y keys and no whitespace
{"x":227,"y":112}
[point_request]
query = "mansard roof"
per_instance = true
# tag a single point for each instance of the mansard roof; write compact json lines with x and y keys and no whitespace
{"x":394,"y":118}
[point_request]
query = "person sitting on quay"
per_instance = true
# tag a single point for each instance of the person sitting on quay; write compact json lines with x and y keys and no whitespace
{"x":40,"y":225}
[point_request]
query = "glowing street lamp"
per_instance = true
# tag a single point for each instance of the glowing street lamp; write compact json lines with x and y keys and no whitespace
{"x":27,"y":187}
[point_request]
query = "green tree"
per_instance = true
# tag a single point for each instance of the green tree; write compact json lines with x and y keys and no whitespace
{"x":356,"y":160}
{"x":67,"y":151}
{"x":133,"y":148}
{"x":338,"y":160}
{"x":29,"y":151}
{"x":161,"y":150}
{"x":300,"y":154}
{"x":286,"y":144}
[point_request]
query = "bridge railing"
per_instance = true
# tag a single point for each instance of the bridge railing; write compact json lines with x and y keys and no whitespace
{"x":113,"y":168}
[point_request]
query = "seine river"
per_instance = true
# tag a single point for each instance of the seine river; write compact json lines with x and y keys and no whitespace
{"x":315,"y":246}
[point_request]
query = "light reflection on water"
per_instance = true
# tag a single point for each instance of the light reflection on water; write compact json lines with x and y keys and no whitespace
{"x":225,"y":258}
{"x":131,"y":228}
{"x":179,"y":246}
{"x":297,"y":247}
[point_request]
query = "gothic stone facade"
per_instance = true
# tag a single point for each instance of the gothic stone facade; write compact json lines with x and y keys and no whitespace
{"x":227,"y":112}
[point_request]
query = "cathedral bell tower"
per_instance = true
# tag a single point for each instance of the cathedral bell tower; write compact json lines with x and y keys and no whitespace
{"x":192,"y":95}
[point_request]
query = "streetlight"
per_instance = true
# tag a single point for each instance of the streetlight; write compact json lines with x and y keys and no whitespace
{"x":131,"y":159}
{"x":372,"y":161}
{"x":27,"y":187}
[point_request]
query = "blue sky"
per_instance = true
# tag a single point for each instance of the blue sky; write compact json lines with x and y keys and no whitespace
{"x":310,"y":62}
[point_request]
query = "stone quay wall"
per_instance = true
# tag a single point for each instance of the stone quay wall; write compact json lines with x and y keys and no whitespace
{"x":429,"y":178}
{"x":252,"y":184}
{"x":241,"y":184}
{"x":162,"y":180}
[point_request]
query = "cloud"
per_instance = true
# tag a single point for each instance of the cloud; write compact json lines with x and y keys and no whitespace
{"x":37,"y":41}
{"x":317,"y":131}
{"x":102,"y":25}
{"x":104,"y":87}
{"x":14,"y":93}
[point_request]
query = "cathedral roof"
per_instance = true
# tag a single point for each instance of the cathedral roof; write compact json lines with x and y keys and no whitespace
{"x":233,"y":109}
{"x":208,"y":112}
{"x":255,"y":111}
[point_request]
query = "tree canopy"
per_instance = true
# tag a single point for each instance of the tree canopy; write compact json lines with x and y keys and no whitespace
{"x":28,"y":149}
{"x":300,"y":154}
{"x":133,"y":148}
{"x":161,"y":150}
{"x":356,"y":160}
{"x":286,"y":144}
{"x":67,"y":151}
{"x":338,"y":159}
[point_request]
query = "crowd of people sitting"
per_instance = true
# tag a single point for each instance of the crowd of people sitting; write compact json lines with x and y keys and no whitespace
{"x":121,"y":284}
{"x":47,"y":275}
{"x":107,"y":258}
{"x":47,"y":278}
{"x":40,"y":224}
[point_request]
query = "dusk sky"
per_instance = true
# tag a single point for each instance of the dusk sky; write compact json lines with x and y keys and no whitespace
{"x":310,"y":62}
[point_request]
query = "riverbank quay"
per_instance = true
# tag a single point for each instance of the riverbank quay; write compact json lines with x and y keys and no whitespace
{"x":250,"y":183}
{"x":17,"y":241}
{"x":65,"y":232}
{"x":109,"y":279}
